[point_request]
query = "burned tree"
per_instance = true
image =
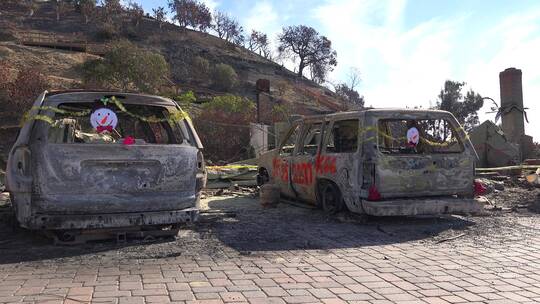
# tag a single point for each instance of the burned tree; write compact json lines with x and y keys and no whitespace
{"x":191,"y":13}
{"x":347,"y":90}
{"x":87,"y":9}
{"x":464,"y":107}
{"x":111,"y":9}
{"x":228,"y":28}
{"x":349,"y":95}
{"x":31,"y":5}
{"x":258,"y":43}
{"x":60,"y":7}
{"x":311,"y":49}
{"x":159,"y":15}
{"x":136,"y":12}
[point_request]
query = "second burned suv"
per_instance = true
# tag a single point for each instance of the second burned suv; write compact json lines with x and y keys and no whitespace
{"x":379,"y":162}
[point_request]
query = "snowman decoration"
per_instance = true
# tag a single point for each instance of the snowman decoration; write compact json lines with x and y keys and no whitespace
{"x":103,"y":120}
{"x":413,"y":137}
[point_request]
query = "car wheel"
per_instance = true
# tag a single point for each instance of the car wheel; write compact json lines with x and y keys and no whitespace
{"x":330,"y":198}
{"x":262,"y":177}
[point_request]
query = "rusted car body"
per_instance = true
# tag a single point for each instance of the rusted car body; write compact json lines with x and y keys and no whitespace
{"x":362,"y":161}
{"x":62,"y":175}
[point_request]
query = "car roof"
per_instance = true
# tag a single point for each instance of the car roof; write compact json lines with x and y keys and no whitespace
{"x":383,"y":112}
{"x":75,"y":96}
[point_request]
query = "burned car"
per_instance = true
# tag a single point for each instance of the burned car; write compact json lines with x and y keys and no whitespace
{"x":380,"y":162}
{"x":91,"y":159}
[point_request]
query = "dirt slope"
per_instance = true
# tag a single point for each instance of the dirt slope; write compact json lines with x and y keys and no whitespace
{"x":179,"y":46}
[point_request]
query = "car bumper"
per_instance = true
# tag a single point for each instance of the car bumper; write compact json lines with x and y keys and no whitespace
{"x":431,"y":206}
{"x":111,"y":220}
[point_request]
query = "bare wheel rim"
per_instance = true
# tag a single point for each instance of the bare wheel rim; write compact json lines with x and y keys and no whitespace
{"x":330,"y":199}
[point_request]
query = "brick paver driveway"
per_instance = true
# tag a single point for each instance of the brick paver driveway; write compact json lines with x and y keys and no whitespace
{"x":287,"y":255}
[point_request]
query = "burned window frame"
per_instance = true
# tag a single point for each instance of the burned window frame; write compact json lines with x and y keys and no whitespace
{"x":306,"y":129}
{"x":453,"y":128}
{"x":297,"y":127}
{"x":329,"y":131}
{"x":180,"y":131}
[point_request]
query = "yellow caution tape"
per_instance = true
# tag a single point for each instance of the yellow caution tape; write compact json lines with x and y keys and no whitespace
{"x":172,"y":117}
{"x":228,"y":167}
{"x":509,"y":168}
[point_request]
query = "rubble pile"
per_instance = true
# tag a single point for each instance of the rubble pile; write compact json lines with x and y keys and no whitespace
{"x":231,"y":175}
{"x":519,"y":193}
{"x":2,"y":181}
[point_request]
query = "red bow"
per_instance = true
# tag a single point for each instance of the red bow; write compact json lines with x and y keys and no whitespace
{"x":101,"y":129}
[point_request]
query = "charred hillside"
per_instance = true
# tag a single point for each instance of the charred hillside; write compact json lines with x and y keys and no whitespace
{"x":182,"y":48}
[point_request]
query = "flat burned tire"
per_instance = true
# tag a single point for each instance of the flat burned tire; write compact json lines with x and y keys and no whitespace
{"x":329,"y":198}
{"x":262,"y":177}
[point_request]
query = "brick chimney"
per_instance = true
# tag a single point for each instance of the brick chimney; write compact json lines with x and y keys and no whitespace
{"x":513,"y":124}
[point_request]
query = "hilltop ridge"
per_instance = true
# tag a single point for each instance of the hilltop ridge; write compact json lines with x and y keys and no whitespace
{"x":178,"y":45}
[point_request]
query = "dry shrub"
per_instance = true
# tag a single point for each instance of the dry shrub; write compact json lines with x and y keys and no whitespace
{"x":223,"y":127}
{"x":200,"y":69}
{"x":224,"y":77}
{"x":17,"y":95}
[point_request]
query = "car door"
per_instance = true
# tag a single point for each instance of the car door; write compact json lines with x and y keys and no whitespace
{"x":338,"y":160}
{"x":19,"y":169}
{"x":281,"y":163}
{"x":303,"y":164}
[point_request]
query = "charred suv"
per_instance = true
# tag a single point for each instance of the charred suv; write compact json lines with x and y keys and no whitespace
{"x":88,"y":159}
{"x":380,"y":162}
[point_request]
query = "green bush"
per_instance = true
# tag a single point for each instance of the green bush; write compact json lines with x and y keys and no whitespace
{"x":223,"y":126}
{"x":224,"y":77}
{"x":228,"y":104}
{"x":106,"y":32}
{"x":6,"y":36}
{"x":185,"y":99}
{"x":127,"y":67}
{"x":200,"y":69}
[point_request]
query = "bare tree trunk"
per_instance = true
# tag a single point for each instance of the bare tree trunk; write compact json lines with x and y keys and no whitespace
{"x":301,"y":67}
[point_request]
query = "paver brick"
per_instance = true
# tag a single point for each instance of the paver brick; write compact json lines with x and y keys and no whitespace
{"x":111,"y":294}
{"x":232,"y":296}
{"x":130,"y":285}
{"x":207,"y":295}
{"x":356,"y":264}
{"x":131,"y":300}
{"x":150,"y":292}
{"x":300,"y":299}
{"x":181,"y":295}
{"x":157,"y":299}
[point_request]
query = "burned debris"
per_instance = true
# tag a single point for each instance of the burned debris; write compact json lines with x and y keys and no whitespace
{"x":505,"y":145}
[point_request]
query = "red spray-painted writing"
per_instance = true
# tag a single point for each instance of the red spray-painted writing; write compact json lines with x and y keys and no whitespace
{"x":303,"y":173}
{"x":280,"y":169}
{"x":325,"y":164}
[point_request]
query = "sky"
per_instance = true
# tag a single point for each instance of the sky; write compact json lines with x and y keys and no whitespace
{"x":405,"y":50}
